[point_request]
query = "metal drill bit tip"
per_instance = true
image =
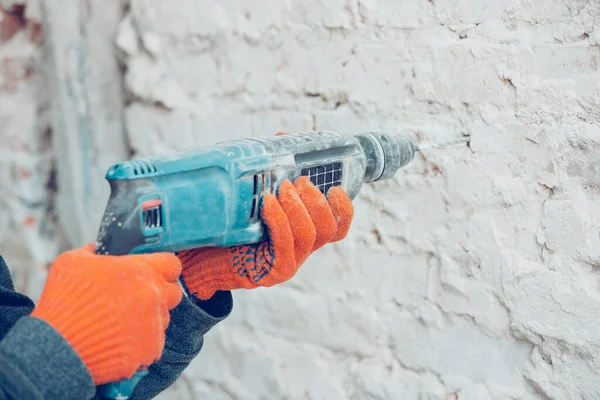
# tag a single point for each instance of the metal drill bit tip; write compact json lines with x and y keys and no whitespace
{"x":434,"y":145}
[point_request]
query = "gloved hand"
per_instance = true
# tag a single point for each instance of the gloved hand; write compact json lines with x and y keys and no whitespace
{"x":300,"y":221}
{"x":113,"y":310}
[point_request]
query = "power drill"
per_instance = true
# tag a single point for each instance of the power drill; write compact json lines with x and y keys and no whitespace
{"x":211,"y":196}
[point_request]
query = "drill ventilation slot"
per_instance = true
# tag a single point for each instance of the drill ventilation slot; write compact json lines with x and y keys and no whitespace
{"x":152,"y":214}
{"x":259,"y":185}
{"x":142,"y":167}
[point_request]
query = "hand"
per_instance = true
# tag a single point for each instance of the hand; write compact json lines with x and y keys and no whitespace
{"x":113,"y":310}
{"x":299,"y":222}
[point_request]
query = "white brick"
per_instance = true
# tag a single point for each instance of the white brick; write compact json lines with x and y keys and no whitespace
{"x":470,"y":12}
{"x":28,"y":242}
{"x":397,"y":14}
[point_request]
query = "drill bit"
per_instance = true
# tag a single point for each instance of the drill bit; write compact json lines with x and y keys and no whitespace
{"x":434,"y":145}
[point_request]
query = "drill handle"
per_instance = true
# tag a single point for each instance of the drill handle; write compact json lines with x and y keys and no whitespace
{"x":121,"y":390}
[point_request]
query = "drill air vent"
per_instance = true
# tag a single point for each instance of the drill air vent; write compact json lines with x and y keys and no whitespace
{"x":131,"y":169}
{"x":152,"y":210}
{"x":260,"y":184}
{"x":142,"y":167}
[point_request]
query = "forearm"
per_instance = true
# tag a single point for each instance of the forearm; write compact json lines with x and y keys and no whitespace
{"x":34,"y":358}
{"x":184,"y":339}
{"x":37,"y":363}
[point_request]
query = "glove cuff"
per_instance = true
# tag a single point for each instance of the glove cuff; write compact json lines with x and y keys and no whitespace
{"x":205,"y":271}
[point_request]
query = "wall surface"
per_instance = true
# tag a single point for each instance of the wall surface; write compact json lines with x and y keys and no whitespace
{"x":472,"y":275}
{"x":28,"y":237}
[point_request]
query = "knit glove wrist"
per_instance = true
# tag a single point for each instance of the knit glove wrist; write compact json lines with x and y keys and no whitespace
{"x":113,"y":310}
{"x":299,"y":222}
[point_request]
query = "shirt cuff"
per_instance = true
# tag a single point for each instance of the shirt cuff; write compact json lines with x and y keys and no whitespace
{"x":192,"y":319}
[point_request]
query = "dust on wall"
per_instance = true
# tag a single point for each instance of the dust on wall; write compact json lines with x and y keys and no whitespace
{"x":474,"y":273}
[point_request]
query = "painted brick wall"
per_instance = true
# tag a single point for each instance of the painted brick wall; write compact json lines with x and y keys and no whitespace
{"x":471,"y":275}
{"x":474,"y":273}
{"x":28,"y":238}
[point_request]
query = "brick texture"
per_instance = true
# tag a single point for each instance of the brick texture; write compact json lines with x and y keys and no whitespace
{"x":474,"y":273}
{"x":28,"y":238}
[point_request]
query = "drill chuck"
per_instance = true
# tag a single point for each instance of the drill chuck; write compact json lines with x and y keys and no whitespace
{"x":385,"y":154}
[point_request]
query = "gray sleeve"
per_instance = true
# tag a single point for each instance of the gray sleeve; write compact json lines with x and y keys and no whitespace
{"x":13,"y":305}
{"x":36,"y":362}
{"x":190,"y":321}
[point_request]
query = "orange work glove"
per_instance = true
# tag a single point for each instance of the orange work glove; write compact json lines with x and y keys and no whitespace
{"x":299,"y":222}
{"x":113,"y":310}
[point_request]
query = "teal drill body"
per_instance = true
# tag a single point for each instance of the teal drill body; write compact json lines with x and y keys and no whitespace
{"x":211,"y":196}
